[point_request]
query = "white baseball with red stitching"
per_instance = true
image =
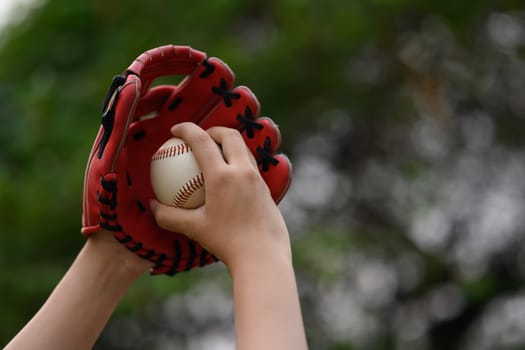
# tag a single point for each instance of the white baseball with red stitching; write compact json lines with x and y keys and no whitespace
{"x":175,"y":175}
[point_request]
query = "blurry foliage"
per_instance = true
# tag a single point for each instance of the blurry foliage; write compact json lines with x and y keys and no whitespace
{"x":404,"y":120}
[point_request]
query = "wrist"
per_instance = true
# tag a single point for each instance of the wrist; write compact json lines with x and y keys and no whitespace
{"x":114,"y":257}
{"x":252,"y":265}
{"x":259,"y":248}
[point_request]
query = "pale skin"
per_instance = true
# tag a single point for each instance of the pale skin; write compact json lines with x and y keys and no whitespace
{"x":239,"y":223}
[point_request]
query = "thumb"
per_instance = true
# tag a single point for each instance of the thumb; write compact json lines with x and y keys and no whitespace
{"x":176,"y":219}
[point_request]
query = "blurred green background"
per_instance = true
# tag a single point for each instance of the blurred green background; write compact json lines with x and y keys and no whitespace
{"x":405,"y":121}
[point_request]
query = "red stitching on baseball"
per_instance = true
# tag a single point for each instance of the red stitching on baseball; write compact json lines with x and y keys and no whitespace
{"x":186,"y":191}
{"x":171,"y":151}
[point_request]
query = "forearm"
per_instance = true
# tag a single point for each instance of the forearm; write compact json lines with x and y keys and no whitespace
{"x":81,"y":304}
{"x":267,"y":308}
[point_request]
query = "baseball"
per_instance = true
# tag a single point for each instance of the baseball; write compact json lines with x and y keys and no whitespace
{"x":175,"y":175}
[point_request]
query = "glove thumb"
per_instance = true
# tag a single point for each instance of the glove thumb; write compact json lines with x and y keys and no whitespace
{"x":175,"y":219}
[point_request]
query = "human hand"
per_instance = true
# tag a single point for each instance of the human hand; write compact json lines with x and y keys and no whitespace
{"x":243,"y":227}
{"x":239,"y":221}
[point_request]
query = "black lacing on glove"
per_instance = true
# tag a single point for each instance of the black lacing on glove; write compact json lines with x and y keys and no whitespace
{"x":249,"y":122}
{"x":265,"y":156}
{"x":210,"y":68}
{"x":108,"y":117}
{"x":192,"y":248}
{"x":108,"y":217}
{"x":227,"y":94}
{"x":221,"y":90}
{"x":108,"y":199}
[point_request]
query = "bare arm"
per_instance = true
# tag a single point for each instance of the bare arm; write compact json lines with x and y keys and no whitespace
{"x":267,"y":310}
{"x":76,"y":312}
{"x":242,"y":226}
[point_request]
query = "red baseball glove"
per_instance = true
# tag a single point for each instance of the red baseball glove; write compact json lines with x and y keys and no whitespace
{"x":136,"y":121}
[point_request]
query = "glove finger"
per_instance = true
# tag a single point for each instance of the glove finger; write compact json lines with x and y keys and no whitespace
{"x":262,"y":136}
{"x":246,"y":107}
{"x":200,"y":93}
{"x":276,"y":169}
{"x":278,"y":176}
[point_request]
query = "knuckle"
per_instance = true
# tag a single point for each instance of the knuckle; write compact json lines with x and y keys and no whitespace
{"x":221,"y":176}
{"x":199,"y":137}
{"x":250,"y":174}
{"x":232,"y":132}
{"x":227,"y":132}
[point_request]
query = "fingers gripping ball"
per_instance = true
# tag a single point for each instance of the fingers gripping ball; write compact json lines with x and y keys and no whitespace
{"x":175,"y":175}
